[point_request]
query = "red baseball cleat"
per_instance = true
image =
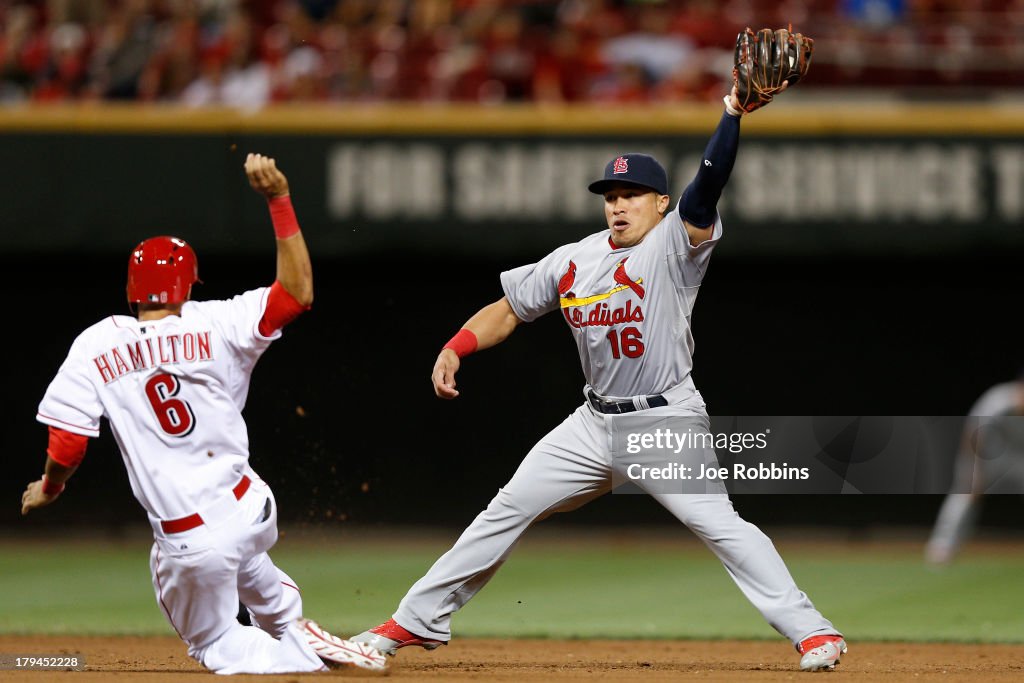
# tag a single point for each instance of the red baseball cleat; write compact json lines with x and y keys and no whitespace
{"x":821,"y":652}
{"x":389,"y":636}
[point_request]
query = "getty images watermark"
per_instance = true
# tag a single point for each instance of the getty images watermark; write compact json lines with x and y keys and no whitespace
{"x":675,"y":443}
{"x":817,"y":455}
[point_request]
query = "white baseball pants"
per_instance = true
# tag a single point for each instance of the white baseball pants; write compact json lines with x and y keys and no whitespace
{"x":200,"y":575}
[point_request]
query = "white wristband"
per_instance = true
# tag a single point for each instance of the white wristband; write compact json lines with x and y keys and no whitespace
{"x":729,"y":108}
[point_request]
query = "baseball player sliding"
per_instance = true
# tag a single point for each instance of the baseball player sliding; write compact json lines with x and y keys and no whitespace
{"x":172,"y":382}
{"x":626,"y":294}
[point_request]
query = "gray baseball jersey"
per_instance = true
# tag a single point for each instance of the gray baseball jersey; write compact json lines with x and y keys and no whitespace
{"x":1002,"y":399}
{"x":994,"y":459}
{"x":628,"y":308}
{"x":995,"y":428}
{"x":629,"y":311}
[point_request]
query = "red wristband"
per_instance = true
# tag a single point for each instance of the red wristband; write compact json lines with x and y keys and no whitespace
{"x":283,"y":215}
{"x":51,"y":489}
{"x":463,"y":343}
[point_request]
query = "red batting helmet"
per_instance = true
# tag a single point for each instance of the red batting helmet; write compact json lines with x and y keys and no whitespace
{"x":161,"y":270}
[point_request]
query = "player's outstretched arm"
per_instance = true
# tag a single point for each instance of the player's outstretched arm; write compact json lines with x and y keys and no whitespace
{"x":64,"y":454}
{"x":699,"y":203}
{"x":491,"y":325}
{"x":766,"y":63}
{"x":45,"y":490}
{"x":294,"y":270}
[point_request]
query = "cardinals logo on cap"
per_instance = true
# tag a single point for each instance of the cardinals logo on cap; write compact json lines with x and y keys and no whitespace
{"x":621,"y":165}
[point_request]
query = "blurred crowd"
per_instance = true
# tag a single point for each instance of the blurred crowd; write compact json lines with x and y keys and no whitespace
{"x":248,"y":53}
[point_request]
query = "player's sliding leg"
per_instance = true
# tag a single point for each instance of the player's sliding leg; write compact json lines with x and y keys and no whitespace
{"x":560,"y":473}
{"x":197,"y":593}
{"x":196,"y":575}
{"x":247,"y":649}
{"x":272,"y":597}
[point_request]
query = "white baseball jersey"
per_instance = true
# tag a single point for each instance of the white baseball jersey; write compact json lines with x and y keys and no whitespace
{"x":173,"y":390}
{"x":628,"y":308}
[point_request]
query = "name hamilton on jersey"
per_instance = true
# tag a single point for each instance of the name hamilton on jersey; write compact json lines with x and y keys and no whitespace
{"x":170,"y":349}
{"x":602,"y":314}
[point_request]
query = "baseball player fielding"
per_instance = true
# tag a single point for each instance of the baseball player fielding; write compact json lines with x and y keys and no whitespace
{"x":626,"y":294}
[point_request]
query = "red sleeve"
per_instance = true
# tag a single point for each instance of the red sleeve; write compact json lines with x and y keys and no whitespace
{"x":282,"y":308}
{"x":66,"y":448}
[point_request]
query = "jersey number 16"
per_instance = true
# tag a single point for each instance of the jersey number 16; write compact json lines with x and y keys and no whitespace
{"x":630,"y":346}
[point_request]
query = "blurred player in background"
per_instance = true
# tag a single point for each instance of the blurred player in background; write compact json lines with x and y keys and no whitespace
{"x":627,"y":294}
{"x":990,"y":460}
{"x":172,"y":382}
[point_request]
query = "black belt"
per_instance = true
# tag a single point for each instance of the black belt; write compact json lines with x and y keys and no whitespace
{"x":619,"y":407}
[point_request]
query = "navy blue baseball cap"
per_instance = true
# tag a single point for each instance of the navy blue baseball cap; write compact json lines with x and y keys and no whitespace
{"x":633,"y":168}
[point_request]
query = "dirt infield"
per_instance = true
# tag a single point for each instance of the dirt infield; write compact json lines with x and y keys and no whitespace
{"x":130,"y":659}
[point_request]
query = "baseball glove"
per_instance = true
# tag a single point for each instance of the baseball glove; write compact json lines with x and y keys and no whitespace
{"x":765,"y":62}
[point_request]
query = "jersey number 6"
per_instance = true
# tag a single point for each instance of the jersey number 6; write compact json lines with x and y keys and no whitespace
{"x":631,"y":345}
{"x":175,"y":416}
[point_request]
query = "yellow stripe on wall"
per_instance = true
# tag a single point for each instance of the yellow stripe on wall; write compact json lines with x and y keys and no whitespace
{"x":791,"y":119}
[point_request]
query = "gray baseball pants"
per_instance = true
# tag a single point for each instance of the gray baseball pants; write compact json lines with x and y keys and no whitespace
{"x":572,"y":465}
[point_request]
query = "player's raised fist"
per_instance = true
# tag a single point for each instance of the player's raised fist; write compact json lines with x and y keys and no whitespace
{"x":265,"y":177}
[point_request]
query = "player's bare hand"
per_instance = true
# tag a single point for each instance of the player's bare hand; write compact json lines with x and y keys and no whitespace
{"x":34,"y":497}
{"x":443,"y":376}
{"x":265,"y":177}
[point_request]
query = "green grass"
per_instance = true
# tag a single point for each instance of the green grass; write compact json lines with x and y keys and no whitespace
{"x":592,"y":588}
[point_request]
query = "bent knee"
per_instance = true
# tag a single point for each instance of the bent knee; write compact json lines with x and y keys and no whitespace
{"x":706,"y":514}
{"x":514,"y":507}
